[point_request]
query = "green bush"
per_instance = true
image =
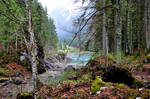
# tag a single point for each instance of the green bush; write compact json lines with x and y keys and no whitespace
{"x":97,"y":84}
{"x":94,"y":55}
{"x":137,"y":53}
{"x":111,"y":57}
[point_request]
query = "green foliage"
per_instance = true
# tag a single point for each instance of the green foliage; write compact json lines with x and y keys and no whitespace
{"x":111,"y":57}
{"x":14,"y":25}
{"x":25,"y":96}
{"x":97,"y":84}
{"x":4,"y":72}
{"x":86,"y":77}
{"x":94,"y":55}
{"x":137,"y":53}
{"x":137,"y":84}
{"x":121,"y":85}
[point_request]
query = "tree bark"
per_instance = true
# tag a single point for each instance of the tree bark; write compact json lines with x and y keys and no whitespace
{"x":33,"y":49}
{"x":148,"y":22}
{"x":145,"y":23}
{"x":117,"y":42}
{"x":104,"y":33}
{"x":131,"y":36}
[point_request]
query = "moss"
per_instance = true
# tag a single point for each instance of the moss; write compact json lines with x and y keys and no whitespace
{"x":137,"y":84}
{"x":121,"y":85}
{"x":4,"y":72}
{"x":86,"y":77}
{"x":111,"y":57}
{"x":97,"y":84}
{"x":132,"y":97}
{"x":148,"y":57}
{"x":25,"y":96}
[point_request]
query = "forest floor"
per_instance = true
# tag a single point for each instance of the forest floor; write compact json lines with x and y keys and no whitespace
{"x":101,"y":78}
{"x":18,"y":81}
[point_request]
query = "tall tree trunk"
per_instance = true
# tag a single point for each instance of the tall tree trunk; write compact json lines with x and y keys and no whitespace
{"x":33,"y":49}
{"x":145,"y":23}
{"x":104,"y":33}
{"x":131,"y":37}
{"x":148,"y":22}
{"x":117,"y":33}
{"x":130,"y":32}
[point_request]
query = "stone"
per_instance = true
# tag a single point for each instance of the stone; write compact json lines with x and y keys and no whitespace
{"x":146,"y":68}
{"x":4,"y":80}
{"x":73,"y":77}
{"x":103,"y":88}
{"x":98,"y":92}
{"x":17,"y":80}
{"x":22,"y":58}
{"x":147,"y":59}
{"x":6,"y":94}
{"x":69,"y":68}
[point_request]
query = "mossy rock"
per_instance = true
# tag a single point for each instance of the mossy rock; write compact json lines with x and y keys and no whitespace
{"x":97,"y":84}
{"x":147,"y":59}
{"x":25,"y":96}
{"x":116,"y":74}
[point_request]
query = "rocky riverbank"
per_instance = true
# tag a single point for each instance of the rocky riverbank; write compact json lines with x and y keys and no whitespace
{"x":51,"y":71}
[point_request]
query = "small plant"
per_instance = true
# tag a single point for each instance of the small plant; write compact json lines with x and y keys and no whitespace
{"x":121,"y":85}
{"x":137,"y":53}
{"x":137,"y":84}
{"x":94,"y":55}
{"x":4,"y":72}
{"x":97,"y":84}
{"x":25,"y":96}
{"x":86,"y":77}
{"x":111,"y":57}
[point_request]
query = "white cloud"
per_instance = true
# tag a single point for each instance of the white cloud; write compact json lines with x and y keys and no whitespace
{"x":52,"y":4}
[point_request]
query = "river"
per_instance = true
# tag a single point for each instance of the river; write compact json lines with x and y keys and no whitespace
{"x":77,"y":60}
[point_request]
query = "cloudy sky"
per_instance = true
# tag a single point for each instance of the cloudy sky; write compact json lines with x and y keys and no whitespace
{"x":53,"y":4}
{"x":62,"y":12}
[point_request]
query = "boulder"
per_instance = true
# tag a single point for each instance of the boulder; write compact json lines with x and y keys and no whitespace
{"x":120,"y":75}
{"x":24,"y":56}
{"x":73,"y":77}
{"x":9,"y":94}
{"x":147,"y":59}
{"x":69,"y":68}
{"x":146,"y":68}
{"x":54,"y":62}
{"x":18,"y":81}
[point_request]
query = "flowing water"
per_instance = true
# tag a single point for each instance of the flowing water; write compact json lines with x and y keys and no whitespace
{"x":79,"y":59}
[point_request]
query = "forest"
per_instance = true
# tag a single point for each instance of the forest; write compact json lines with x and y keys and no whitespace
{"x":107,"y":57}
